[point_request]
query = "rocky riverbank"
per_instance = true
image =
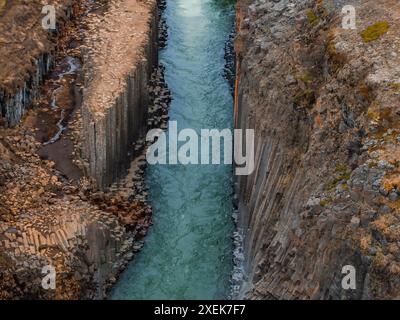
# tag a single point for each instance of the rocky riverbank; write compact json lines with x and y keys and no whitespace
{"x":52,"y":212}
{"x":323,"y":101}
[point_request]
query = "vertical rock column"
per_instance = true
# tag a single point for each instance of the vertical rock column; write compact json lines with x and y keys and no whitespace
{"x":109,"y":135}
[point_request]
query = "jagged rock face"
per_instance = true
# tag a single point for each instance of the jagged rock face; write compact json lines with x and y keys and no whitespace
{"x":324,"y":102}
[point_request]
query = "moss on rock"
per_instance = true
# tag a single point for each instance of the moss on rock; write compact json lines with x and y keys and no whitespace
{"x":375,"y":31}
{"x":313,"y":19}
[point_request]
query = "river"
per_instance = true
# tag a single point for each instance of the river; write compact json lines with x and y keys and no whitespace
{"x":188,"y":251}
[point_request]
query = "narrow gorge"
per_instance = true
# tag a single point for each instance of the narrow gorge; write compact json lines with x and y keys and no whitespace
{"x":187,"y":254}
{"x":316,"y":81}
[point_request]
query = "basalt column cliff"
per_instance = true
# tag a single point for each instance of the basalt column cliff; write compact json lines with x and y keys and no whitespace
{"x":74,"y":104}
{"x":325,"y":105}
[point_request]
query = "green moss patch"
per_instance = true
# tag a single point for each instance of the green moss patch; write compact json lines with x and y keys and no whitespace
{"x":325,"y":202}
{"x":305,"y":78}
{"x":395,"y":86}
{"x":375,"y":31}
{"x":342,"y":174}
{"x":313,"y":19}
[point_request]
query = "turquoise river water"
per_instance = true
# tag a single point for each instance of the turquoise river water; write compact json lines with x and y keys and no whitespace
{"x":188,"y":251}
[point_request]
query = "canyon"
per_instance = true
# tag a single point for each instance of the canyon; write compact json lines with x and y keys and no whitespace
{"x":77,"y":193}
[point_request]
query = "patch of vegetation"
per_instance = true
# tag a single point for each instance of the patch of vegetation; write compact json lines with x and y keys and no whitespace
{"x":331,"y":185}
{"x":372,"y":164}
{"x":383,"y":119}
{"x":344,"y":174}
{"x":306,"y":78}
{"x":313,"y":18}
{"x":325,"y":202}
{"x":304,"y":98}
{"x":373,"y":115}
{"x":341,"y":167}
{"x":375,"y":31}
{"x":391,"y":181}
{"x":387,"y":226}
{"x":395,"y":86}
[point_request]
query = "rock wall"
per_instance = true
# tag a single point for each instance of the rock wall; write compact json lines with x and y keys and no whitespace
{"x":323,"y":101}
{"x":21,"y":81}
{"x":109,"y":138}
{"x":47,"y":219}
{"x":112,"y":127}
{"x":13,"y":106}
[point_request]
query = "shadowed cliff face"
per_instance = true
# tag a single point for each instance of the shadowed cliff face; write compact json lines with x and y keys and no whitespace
{"x":324,"y":102}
